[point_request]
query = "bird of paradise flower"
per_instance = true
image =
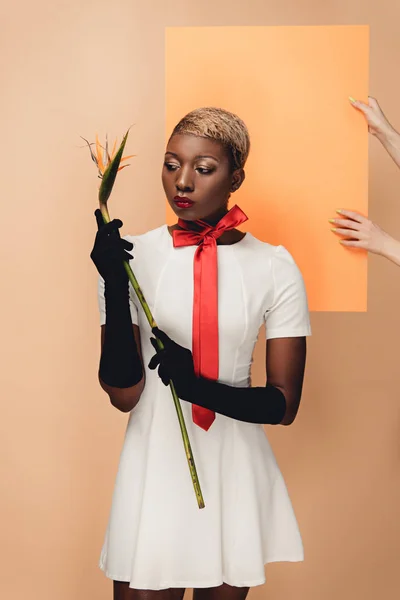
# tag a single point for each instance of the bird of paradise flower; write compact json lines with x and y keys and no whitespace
{"x":108,"y":165}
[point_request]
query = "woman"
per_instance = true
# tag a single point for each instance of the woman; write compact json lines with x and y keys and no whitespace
{"x":358,"y":231}
{"x":158,"y":542}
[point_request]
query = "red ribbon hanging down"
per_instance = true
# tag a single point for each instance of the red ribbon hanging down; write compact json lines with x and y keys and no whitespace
{"x":205,"y":298}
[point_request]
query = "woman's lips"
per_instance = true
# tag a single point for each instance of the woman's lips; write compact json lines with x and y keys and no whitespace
{"x":182,"y":202}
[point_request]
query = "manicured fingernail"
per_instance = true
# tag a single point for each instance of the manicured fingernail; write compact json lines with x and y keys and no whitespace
{"x":352,"y":99}
{"x":339,"y":210}
{"x":332,"y":220}
{"x":333,"y":228}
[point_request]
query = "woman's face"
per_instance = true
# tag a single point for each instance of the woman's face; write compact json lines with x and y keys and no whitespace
{"x":197,"y":178}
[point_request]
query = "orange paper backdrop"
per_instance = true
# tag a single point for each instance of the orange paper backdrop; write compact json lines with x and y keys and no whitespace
{"x":309,"y":151}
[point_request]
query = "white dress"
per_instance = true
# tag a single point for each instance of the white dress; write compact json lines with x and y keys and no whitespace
{"x":157,"y":537}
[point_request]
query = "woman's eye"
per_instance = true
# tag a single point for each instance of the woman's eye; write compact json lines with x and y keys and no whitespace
{"x":204,"y":170}
{"x":170,"y":166}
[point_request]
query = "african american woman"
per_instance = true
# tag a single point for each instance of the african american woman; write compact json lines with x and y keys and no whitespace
{"x":210,"y":287}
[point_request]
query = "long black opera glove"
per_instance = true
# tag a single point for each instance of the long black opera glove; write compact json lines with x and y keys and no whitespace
{"x":266,"y":405}
{"x":120,"y":364}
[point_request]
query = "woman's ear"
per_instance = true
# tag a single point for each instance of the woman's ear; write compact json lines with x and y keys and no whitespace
{"x":238,"y":177}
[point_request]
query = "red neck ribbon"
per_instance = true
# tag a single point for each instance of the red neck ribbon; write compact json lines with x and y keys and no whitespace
{"x":205,"y":297}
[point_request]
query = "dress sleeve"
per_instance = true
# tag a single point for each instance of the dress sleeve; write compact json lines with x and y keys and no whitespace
{"x":102,"y":304}
{"x":288,"y":315}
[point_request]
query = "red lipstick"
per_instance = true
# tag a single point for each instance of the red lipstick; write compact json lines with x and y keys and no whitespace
{"x":183,"y":202}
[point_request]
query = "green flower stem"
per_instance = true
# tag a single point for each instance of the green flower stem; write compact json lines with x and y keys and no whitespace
{"x":182,"y":425}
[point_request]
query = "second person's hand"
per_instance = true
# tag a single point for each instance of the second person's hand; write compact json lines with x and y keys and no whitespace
{"x":378,"y":124}
{"x":360,"y":232}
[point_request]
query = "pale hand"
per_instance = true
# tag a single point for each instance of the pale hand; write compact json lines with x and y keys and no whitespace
{"x":360,"y":232}
{"x":378,"y":124}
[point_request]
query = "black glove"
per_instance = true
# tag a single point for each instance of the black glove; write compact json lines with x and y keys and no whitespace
{"x":174,"y":363}
{"x":265,"y":405}
{"x":120,"y":364}
{"x":109,"y":252}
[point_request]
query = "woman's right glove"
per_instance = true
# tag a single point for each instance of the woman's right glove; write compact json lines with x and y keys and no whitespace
{"x":120,"y":363}
{"x":109,"y":252}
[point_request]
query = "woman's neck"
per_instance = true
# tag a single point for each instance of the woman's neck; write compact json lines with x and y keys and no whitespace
{"x":227,"y":238}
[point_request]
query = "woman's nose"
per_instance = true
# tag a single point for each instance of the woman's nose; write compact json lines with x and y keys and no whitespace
{"x":184,"y":181}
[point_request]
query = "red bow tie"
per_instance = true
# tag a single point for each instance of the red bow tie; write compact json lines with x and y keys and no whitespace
{"x":205,"y":298}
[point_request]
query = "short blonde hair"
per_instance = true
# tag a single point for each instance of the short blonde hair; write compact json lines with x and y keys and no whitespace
{"x":219,"y":125}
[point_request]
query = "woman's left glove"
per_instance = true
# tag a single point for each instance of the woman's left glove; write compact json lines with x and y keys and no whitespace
{"x":174,"y":363}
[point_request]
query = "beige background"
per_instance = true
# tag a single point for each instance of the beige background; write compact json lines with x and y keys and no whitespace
{"x":66,"y":67}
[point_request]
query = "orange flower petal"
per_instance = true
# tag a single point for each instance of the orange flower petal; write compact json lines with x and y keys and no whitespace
{"x":107,"y":157}
{"x":123,"y":167}
{"x":99,"y":155}
{"x":127,"y":157}
{"x":114,"y":148}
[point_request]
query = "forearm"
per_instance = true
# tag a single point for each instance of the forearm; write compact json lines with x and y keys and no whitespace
{"x":264,"y":405}
{"x":390,"y":139}
{"x":391,"y":249}
{"x":120,"y":370}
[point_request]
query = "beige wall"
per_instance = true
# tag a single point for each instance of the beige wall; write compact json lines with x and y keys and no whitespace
{"x":66,"y":68}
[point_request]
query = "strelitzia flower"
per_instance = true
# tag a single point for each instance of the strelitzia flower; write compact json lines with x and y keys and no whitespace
{"x":108,"y":166}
